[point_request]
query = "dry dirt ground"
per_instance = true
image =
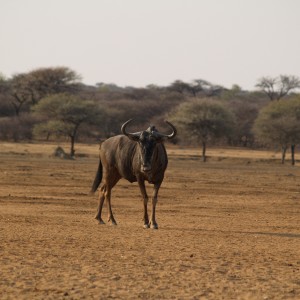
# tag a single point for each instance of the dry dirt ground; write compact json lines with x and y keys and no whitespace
{"x":228,"y":229}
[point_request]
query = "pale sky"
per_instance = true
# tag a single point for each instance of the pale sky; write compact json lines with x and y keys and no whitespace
{"x":141,"y":42}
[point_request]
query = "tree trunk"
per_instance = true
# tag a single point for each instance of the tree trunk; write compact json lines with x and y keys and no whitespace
{"x":72,"y":151}
{"x":283,"y":152}
{"x":17,"y":106}
{"x":204,"y":151}
{"x":293,"y":154}
{"x":73,"y":136}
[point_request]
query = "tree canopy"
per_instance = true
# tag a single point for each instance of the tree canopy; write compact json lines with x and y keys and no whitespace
{"x":29,"y":88}
{"x":202,"y":120}
{"x":279,"y":124}
{"x":63,"y":114}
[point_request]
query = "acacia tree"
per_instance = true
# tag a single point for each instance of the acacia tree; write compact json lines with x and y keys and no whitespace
{"x":198,"y":87}
{"x":205,"y":88}
{"x":181,"y":87}
{"x":64,"y":114}
{"x":29,"y":88}
{"x":279,"y":123}
{"x":48,"y":81}
{"x":203,"y":119}
{"x":278,"y":87}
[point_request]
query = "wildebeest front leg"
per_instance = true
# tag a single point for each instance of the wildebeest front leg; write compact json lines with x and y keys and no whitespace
{"x":153,"y":223}
{"x":141,"y":183}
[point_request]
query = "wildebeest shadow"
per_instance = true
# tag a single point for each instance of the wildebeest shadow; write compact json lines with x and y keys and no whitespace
{"x":276,"y":234}
{"x":279,"y":234}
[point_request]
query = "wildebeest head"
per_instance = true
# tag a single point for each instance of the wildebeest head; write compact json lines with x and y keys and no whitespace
{"x":147,"y":141}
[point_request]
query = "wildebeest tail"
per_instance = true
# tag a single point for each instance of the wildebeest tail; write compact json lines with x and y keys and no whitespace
{"x":98,"y":178}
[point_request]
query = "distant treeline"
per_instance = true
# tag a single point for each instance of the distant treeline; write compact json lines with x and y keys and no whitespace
{"x":53,"y":103}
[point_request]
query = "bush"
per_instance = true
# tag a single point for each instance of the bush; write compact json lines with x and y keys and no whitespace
{"x":16,"y":129}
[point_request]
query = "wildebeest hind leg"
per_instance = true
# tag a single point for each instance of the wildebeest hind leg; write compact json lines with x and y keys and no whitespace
{"x":99,"y":211}
{"x":110,"y":213}
{"x":109,"y":184}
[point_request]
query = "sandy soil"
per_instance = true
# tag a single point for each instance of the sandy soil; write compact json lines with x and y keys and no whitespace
{"x":228,"y":229}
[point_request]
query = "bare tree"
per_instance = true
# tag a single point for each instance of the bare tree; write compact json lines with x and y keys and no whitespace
{"x":21,"y":92}
{"x":278,"y":87}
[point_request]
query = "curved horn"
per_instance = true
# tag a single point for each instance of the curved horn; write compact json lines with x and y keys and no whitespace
{"x":169,"y":136}
{"x":132,"y":136}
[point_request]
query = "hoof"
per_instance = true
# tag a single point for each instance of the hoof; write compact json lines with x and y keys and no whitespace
{"x":100,"y":221}
{"x":154,"y":226}
{"x":146,"y":226}
{"x":112,"y":222}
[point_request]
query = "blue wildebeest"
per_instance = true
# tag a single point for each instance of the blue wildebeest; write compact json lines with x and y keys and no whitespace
{"x":137,"y":157}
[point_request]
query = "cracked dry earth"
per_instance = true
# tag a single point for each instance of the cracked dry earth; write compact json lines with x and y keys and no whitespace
{"x":228,"y":229}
